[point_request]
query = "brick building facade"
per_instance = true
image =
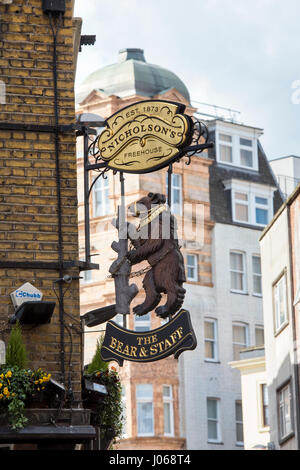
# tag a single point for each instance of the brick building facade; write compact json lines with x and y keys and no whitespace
{"x":38,"y":186}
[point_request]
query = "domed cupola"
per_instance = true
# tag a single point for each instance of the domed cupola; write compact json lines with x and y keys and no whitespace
{"x":131,"y":75}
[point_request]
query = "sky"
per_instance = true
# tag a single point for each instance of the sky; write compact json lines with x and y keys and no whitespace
{"x":239,"y":54}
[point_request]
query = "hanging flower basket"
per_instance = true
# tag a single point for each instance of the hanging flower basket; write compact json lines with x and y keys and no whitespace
{"x":19,"y":388}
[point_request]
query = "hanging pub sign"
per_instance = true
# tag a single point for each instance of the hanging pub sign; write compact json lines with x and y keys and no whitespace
{"x":174,"y":337}
{"x":141,"y":138}
{"x":145,"y":136}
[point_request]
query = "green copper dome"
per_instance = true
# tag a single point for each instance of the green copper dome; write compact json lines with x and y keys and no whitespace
{"x":131,"y":75}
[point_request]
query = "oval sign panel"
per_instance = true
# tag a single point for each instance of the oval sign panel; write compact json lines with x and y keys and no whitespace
{"x":145,"y":136}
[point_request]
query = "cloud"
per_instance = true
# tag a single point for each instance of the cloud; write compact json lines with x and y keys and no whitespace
{"x":238,"y":54}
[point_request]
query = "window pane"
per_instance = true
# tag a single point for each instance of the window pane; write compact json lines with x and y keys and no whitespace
{"x":256,"y":264}
{"x":176,"y":196}
{"x":191,"y":273}
{"x":191,"y":260}
{"x":239,"y":432}
{"x":246,"y":142}
{"x":210,"y":350}
{"x":257,"y":285}
{"x":209,"y":330}
{"x":144,"y":391}
{"x":237,"y":281}
{"x":145,"y":421}
{"x":241,"y":212}
{"x":280,"y":302}
{"x":225,"y":138}
{"x":241,"y":196}
{"x":167,"y":392}
{"x":259,"y":337}
{"x":246,"y":158}
{"x":239,"y":334}
{"x":143,"y":317}
{"x":212,"y":428}
{"x":261,"y":216}
{"x":212,"y":411}
{"x":238,"y":411}
{"x":176,"y":180}
{"x":237,"y":261}
{"x":256,"y":267}
{"x":225,"y":153}
{"x":261,"y":200}
{"x":167,"y":418}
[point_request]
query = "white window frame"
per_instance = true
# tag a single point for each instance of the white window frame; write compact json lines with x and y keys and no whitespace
{"x":243,"y":273}
{"x":175,"y":188}
{"x":256,"y":294}
{"x":215,"y":340}
{"x":236,"y":133}
{"x":142,"y":322}
{"x":243,"y":345}
{"x":238,"y":443}
{"x":217,"y":420}
{"x":253,"y":191}
{"x":195,"y":267}
{"x":87,"y":277}
{"x":258,"y":327}
{"x":104,"y":186}
{"x":277,"y":325}
{"x":169,"y":402}
{"x":261,"y":405}
{"x":283,"y":433}
{"x":144,"y":400}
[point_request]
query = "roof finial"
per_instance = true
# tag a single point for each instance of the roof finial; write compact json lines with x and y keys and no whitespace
{"x":127,"y":54}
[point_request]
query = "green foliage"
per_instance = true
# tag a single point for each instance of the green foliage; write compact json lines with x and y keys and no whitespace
{"x":97,"y":363}
{"x":16,"y":386}
{"x":16,"y":352}
{"x":110,"y":412}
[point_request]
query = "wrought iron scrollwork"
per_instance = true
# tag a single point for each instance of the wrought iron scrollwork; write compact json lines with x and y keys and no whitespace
{"x":199,"y":140}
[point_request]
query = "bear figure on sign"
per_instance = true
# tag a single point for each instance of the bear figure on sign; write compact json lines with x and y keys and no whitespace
{"x":155,"y":240}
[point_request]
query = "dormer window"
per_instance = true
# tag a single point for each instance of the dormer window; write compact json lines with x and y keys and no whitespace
{"x":251,"y":203}
{"x":236,"y":145}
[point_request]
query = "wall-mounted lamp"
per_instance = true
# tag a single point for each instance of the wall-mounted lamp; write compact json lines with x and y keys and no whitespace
{"x":33,"y":313}
{"x":99,"y":315}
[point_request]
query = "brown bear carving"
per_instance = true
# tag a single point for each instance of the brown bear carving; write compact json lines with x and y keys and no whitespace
{"x":156,"y":241}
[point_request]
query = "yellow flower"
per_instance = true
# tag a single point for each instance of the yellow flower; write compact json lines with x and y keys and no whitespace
{"x":1,"y":376}
{"x":8,"y":374}
{"x":1,"y":385}
{"x":13,"y":394}
{"x":1,"y":396}
{"x":5,"y":391}
{"x":36,"y":382}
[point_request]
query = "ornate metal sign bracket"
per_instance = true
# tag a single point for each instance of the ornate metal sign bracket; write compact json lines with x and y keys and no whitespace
{"x":142,"y":138}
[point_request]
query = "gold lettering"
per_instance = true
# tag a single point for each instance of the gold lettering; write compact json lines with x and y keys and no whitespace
{"x":139,"y":340}
{"x":113,"y":343}
{"x":153,"y":349}
{"x":167,"y":344}
{"x":179,"y":332}
{"x":126,"y":350}
{"x":173,"y":337}
{"x":143,"y":352}
{"x":119,"y":346}
{"x":133,"y":351}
